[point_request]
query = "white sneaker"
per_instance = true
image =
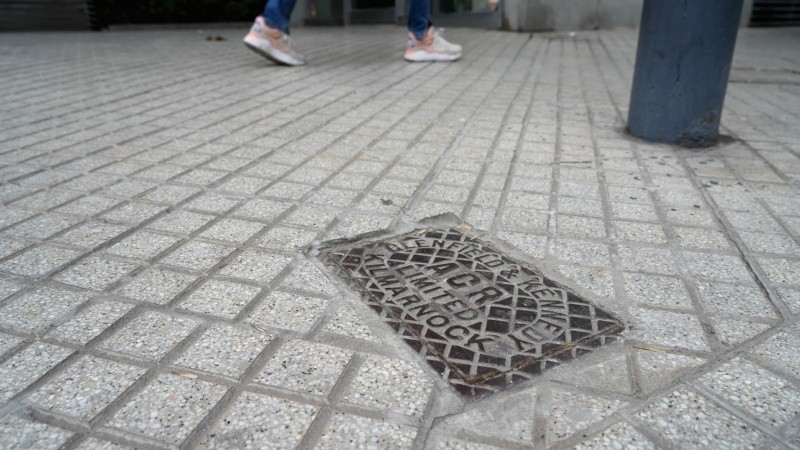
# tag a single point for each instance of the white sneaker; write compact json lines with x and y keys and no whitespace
{"x":272,"y":44}
{"x":433,"y":47}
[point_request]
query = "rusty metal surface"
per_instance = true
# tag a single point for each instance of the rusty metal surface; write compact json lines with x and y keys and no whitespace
{"x":479,"y":317}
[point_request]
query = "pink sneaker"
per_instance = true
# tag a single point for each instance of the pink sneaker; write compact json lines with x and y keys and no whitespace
{"x":433,"y":47}
{"x":272,"y":44}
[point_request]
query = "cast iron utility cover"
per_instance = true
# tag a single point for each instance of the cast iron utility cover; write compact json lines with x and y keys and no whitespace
{"x":480,"y":318}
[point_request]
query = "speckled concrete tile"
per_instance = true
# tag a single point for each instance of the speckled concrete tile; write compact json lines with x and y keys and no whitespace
{"x":781,"y":270}
{"x":256,"y":265}
{"x":347,"y":323}
{"x":510,"y":420}
{"x":668,"y":329}
{"x":572,"y":412}
{"x":85,"y":388}
{"x":647,"y":259}
{"x":198,"y":255}
{"x":7,"y":342}
{"x":168,"y":408}
{"x":156,"y":285}
{"x":732,"y":332}
{"x":717,"y":267}
{"x":151,"y":335}
{"x":96,"y":273}
{"x":687,"y":419}
{"x":305,"y":367}
{"x":142,"y":245}
{"x":755,"y":390}
{"x":306,"y":276}
{"x":35,"y":311}
{"x":620,"y":436}
{"x":236,"y":231}
{"x":781,"y":350}
{"x":390,"y":383}
{"x":38,"y":260}
{"x":225,"y":350}
{"x":665,"y":292}
{"x":658,"y":368}
{"x":90,"y":322}
{"x":90,"y":234}
{"x":258,"y":421}
{"x":348,"y":431}
{"x":97,"y":444}
{"x":445,"y":442}
{"x":219,"y":298}
{"x":289,"y":311}
{"x":21,"y":433}
{"x":286,"y":238}
{"x":735,"y":299}
{"x":27,"y":366}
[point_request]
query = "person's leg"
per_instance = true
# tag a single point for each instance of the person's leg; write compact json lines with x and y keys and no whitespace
{"x":277,"y":14}
{"x":425,"y":43}
{"x":419,"y":17}
{"x":269,"y":35}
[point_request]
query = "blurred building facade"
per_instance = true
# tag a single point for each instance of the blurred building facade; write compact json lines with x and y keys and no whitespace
{"x":513,"y":15}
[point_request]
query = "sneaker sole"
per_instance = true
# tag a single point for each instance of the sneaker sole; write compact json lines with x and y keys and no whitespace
{"x":262,"y":47}
{"x":423,"y":56}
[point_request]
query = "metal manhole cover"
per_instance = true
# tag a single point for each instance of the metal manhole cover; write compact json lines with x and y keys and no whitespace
{"x":480,"y":318}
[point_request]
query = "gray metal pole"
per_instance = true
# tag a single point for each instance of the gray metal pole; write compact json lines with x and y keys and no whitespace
{"x":682,"y":65}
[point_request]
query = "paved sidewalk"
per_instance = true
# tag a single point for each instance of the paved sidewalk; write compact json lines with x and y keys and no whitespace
{"x":158,"y":190}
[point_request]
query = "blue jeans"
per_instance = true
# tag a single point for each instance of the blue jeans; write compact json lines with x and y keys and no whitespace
{"x":278,"y":12}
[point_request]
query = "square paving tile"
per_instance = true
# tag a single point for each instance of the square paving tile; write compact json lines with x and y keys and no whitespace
{"x":142,"y":245}
{"x":305,"y":367}
{"x":151,"y":335}
{"x":480,"y":318}
{"x":668,"y":329}
{"x":761,"y":393}
{"x":168,"y":408}
{"x":665,"y":292}
{"x":90,"y":234}
{"x":85,"y":388}
{"x":572,"y":412}
{"x":43,"y":226}
{"x":197,"y":255}
{"x":735,"y":299}
{"x":289,"y":311}
{"x":27,"y":366}
{"x":156,"y":285}
{"x":220,"y":298}
{"x":259,"y":421}
{"x":91,"y":321}
{"x":717,"y":267}
{"x":16,"y":433}
{"x":348,"y":431}
{"x":226,"y":350}
{"x":306,"y":276}
{"x":7,"y":342}
{"x":347,"y":322}
{"x":38,"y":260}
{"x":390,"y":383}
{"x":134,"y":212}
{"x":96,"y":273}
{"x":782,"y":351}
{"x":688,"y":420}
{"x":184,"y":222}
{"x":232,"y":230}
{"x":287,"y":239}
{"x":256,"y":265}
{"x":9,"y":246}
{"x":35,"y":311}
